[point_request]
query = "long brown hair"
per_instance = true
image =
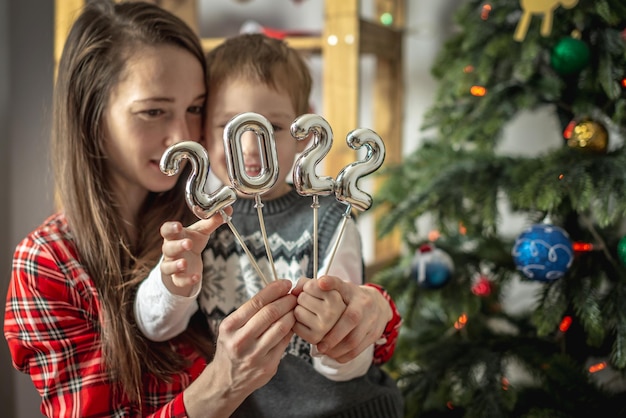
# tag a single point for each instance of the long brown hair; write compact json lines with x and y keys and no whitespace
{"x":270,"y":61}
{"x":93,"y":58}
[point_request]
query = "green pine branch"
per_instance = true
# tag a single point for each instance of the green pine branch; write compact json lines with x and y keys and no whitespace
{"x":460,"y":180}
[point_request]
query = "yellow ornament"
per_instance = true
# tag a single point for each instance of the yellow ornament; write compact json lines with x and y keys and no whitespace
{"x":539,"y":7}
{"x":589,"y":135}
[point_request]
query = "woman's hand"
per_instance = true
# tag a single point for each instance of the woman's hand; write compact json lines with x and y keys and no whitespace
{"x":250,"y":344}
{"x":181,"y":267}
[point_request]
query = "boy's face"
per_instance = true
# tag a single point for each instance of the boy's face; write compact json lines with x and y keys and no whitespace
{"x":237,"y":95}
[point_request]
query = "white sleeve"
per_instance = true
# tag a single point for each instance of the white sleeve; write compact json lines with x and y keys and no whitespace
{"x":160,"y":314}
{"x":348,"y":265}
{"x":348,"y":260}
{"x":340,"y":372}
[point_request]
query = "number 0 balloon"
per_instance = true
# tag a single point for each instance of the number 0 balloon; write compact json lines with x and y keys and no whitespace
{"x":255,"y":185}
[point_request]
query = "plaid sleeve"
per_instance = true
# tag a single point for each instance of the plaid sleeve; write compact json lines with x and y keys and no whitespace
{"x":384,"y":350}
{"x":51,"y":326}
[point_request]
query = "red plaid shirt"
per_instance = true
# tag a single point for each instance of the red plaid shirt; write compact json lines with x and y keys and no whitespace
{"x":384,"y":350}
{"x":51,"y":324}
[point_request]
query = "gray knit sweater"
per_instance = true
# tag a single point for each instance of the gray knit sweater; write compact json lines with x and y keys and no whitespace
{"x":298,"y":391}
{"x":229,"y":279}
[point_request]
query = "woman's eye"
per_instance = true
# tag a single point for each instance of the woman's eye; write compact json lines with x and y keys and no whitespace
{"x":153,"y":112}
{"x":277,"y":128}
{"x":198,"y":110}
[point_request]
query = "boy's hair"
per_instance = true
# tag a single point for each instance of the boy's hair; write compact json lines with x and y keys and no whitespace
{"x":257,"y":57}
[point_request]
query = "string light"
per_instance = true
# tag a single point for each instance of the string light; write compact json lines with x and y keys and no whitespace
{"x":624,"y":82}
{"x":569,"y":129}
{"x":581,"y":247}
{"x":505,"y":383}
{"x":386,"y":19}
{"x":450,"y":405}
{"x":461,"y":322}
{"x":433,"y":235}
{"x":478,"y":91}
{"x":470,"y":69}
{"x":561,"y":176}
{"x":484,"y":14}
{"x":597,"y":367}
{"x":566,"y":322}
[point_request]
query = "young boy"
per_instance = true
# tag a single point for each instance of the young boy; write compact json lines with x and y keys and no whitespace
{"x":253,"y":73}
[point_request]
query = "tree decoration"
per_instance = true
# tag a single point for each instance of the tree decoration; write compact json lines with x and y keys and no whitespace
{"x":482,"y":286}
{"x":589,"y":135}
{"x":545,"y":8}
{"x":569,"y":56}
{"x":386,"y":19}
{"x":543,"y":252}
{"x":566,"y":322}
{"x":582,"y":247}
{"x":478,"y":91}
{"x":431,"y":267}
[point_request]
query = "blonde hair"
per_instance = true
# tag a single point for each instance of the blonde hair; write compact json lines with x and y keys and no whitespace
{"x":94,"y":57}
{"x":270,"y":61}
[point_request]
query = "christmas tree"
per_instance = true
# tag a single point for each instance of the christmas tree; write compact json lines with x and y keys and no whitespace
{"x":461,"y":353}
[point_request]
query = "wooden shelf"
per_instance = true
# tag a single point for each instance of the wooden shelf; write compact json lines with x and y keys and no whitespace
{"x":312,"y":44}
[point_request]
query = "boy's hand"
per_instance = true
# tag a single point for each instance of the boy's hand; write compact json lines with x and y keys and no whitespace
{"x":181,"y":267}
{"x":364,"y":315}
{"x":318,"y":310}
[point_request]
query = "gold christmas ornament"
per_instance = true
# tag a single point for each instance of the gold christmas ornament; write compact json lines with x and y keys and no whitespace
{"x":589,"y":135}
{"x":545,"y":8}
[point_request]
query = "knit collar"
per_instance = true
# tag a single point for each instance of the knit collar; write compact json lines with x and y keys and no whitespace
{"x":281,"y":204}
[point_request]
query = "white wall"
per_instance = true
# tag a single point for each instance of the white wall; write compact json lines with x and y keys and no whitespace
{"x":26,"y":68}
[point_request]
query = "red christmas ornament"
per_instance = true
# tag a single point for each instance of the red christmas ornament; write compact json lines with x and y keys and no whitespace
{"x":482,"y":286}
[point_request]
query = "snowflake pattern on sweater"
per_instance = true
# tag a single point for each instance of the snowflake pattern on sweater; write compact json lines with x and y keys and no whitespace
{"x":229,"y":279}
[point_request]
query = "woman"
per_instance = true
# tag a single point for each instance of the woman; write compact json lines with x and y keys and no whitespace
{"x":131,"y":82}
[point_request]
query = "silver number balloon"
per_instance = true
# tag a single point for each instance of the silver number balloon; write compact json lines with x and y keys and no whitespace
{"x":346,"y":189}
{"x":202,"y":204}
{"x":305,"y":180}
{"x":268,"y":176}
{"x":235,"y":128}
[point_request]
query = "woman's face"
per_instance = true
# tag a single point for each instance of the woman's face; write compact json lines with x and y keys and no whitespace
{"x":158,"y":102}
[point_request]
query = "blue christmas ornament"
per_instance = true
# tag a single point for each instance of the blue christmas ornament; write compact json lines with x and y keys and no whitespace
{"x":543,"y":252}
{"x":431,"y":267}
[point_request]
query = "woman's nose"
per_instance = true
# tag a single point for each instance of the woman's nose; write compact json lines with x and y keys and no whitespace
{"x":179,"y":131}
